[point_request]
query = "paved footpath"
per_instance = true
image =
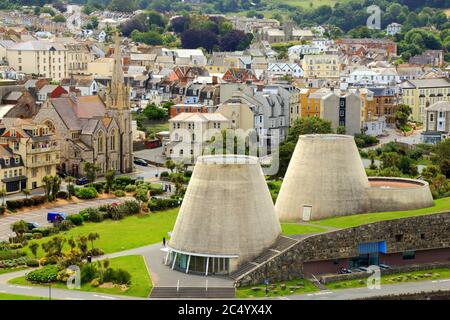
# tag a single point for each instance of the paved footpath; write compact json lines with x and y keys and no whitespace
{"x":40,"y":215}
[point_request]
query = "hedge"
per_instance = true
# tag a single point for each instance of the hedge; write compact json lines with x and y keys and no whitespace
{"x":76,"y":219}
{"x":86,"y":193}
{"x":44,"y":275}
{"x":25,"y":202}
{"x":162,"y":204}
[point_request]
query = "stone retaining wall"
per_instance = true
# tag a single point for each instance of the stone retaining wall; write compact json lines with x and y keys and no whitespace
{"x":413,"y":233}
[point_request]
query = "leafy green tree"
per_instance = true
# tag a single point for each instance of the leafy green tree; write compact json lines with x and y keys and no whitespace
{"x":309,"y":125}
{"x":169,"y":164}
{"x":152,"y":112}
{"x":34,"y":246}
{"x":92,"y":237}
{"x":390,"y":159}
{"x":69,"y":180}
{"x":402,"y":114}
{"x":110,"y":175}
{"x":59,"y":18}
{"x":19,"y":227}
{"x":91,"y":170}
{"x":48,"y":181}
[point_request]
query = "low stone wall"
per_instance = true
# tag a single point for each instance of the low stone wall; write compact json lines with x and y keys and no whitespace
{"x":413,"y":233}
{"x":398,"y":198}
{"x":393,"y":270}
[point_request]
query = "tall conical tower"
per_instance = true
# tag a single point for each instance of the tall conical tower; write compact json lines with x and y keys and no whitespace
{"x":117,"y":102}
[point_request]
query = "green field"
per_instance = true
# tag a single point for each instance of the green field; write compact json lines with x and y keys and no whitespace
{"x":7,"y":296}
{"x":304,"y":286}
{"x":294,"y":228}
{"x":365,"y":218}
{"x":141,"y":283}
{"x":310,"y":3}
{"x":433,"y":274}
{"x":130,"y":232}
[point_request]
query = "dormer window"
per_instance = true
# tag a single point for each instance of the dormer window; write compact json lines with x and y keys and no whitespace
{"x":16,"y":160}
{"x":7,"y":162}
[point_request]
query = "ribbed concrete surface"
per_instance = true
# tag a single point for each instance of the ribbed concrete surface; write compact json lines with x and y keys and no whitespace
{"x":227,"y":210}
{"x":325,"y":172}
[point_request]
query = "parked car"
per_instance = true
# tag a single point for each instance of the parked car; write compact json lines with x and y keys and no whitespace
{"x":384,"y":266}
{"x":55,"y":216}
{"x":344,"y":270}
{"x":82,"y":181}
{"x":32,"y":225}
{"x":364,"y":269}
{"x":140,"y":162}
{"x":62,"y":174}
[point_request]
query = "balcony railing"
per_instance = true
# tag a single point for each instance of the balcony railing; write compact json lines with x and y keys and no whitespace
{"x":31,"y":150}
{"x":43,"y":163}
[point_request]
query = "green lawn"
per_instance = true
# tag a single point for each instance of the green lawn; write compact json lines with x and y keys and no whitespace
{"x":365,"y":218}
{"x":7,"y":296}
{"x":292,"y":287}
{"x":311,"y":3}
{"x":131,"y":232}
{"x":141,"y":283}
{"x":293,"y":228}
{"x":432,"y":274}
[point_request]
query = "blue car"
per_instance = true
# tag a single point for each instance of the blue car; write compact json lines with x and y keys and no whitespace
{"x":82,"y":181}
{"x":55,"y":216}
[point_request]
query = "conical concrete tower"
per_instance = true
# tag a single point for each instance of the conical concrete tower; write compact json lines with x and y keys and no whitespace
{"x":227,"y":216}
{"x":325,"y":178}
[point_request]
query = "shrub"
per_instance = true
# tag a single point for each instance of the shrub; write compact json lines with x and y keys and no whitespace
{"x":86,"y":193}
{"x":28,"y":202}
{"x":44,"y":275}
{"x":119,"y":193}
{"x":91,"y":214}
{"x":14,"y":246}
{"x":95,"y":252}
{"x":164,"y":174}
{"x":76,"y":219}
{"x":132,"y":206}
{"x":188,"y":173}
{"x":88,"y":272}
{"x":118,"y":276}
{"x":64,"y":225}
{"x":37,"y":235}
{"x":123,"y":181}
{"x":162,"y":204}
{"x":37,"y":200}
{"x":130,"y":188}
{"x":62,"y":195}
{"x":33,"y":263}
{"x":44,"y":231}
{"x":11,"y":254}
{"x":99,"y":186}
{"x":71,"y":189}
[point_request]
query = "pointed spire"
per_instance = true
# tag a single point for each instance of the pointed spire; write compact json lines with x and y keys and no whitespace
{"x":117,"y":77}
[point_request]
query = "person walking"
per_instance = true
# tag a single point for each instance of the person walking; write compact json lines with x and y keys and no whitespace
{"x":164,"y":241}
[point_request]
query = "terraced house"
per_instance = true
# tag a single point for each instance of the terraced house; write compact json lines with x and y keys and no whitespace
{"x":34,"y":151}
{"x":419,"y":94}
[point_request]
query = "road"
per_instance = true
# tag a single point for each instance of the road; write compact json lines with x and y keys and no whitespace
{"x":40,"y":215}
{"x":385,"y":290}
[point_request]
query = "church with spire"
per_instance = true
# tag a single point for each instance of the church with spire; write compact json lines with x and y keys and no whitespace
{"x":93,"y":129}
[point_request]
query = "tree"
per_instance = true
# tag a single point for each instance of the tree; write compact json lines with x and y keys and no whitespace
{"x":310,"y":125}
{"x":169,"y":164}
{"x":26,"y":192}
{"x":47,"y":180}
{"x":3,"y":195}
{"x":19,"y":227}
{"x":110,"y":175}
{"x":194,"y":38}
{"x":372,"y":154}
{"x":123,"y":5}
{"x":152,"y":112}
{"x":149,"y":37}
{"x":91,"y":170}
{"x":69,"y":180}
{"x":33,"y":248}
{"x":390,"y":159}
{"x":180,"y":24}
{"x":59,"y":18}
{"x":56,"y":186}
{"x":92,"y":237}
{"x":133,"y":24}
{"x":155,"y":19}
{"x":141,"y":196}
{"x":341,"y":130}
{"x":235,"y":40}
{"x":402,"y":114}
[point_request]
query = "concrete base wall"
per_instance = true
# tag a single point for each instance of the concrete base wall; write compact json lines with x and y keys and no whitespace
{"x":398,"y":199}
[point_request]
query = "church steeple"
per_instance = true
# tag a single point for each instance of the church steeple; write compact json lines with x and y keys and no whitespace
{"x":117,"y":93}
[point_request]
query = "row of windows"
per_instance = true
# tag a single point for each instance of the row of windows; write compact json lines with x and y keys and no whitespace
{"x":12,"y":173}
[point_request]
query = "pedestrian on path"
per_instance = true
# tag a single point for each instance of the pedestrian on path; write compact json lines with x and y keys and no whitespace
{"x":164,"y":241}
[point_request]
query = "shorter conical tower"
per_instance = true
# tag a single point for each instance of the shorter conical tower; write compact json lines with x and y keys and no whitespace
{"x":325,"y":178}
{"x":227,"y":216}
